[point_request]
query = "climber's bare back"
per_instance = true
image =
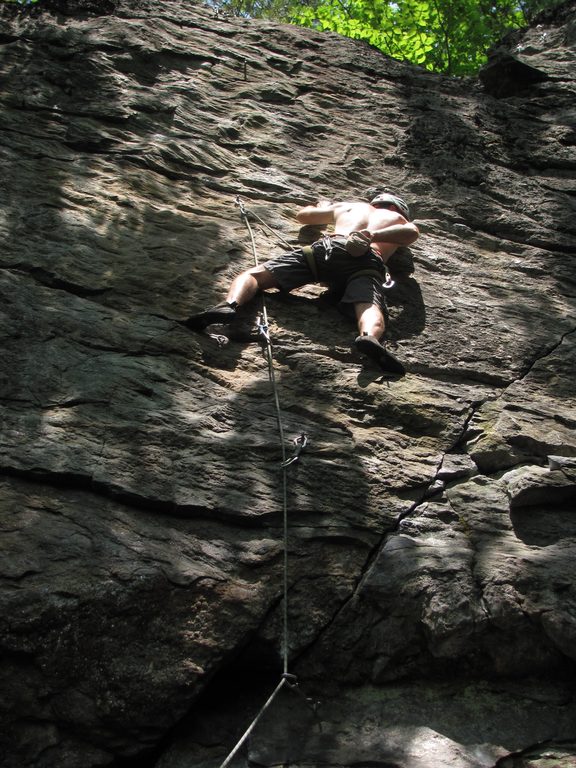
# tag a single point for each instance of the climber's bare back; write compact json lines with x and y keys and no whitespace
{"x":354,"y":217}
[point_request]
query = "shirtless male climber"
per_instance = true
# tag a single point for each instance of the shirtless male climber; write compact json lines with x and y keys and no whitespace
{"x":350,"y":261}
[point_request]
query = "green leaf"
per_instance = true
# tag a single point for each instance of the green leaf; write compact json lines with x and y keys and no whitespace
{"x":450,"y":36}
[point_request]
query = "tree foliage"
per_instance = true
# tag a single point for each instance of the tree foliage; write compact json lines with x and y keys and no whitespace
{"x":449,"y":36}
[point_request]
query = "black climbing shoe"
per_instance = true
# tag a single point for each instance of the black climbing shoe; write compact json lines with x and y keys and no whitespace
{"x":371,"y":347}
{"x":221,"y":313}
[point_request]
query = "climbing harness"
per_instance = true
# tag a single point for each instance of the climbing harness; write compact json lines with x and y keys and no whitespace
{"x":287,"y":680}
{"x":326,"y":245}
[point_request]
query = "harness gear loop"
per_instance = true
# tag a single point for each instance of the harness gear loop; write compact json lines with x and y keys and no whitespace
{"x":388,"y":283}
{"x":328,"y":245}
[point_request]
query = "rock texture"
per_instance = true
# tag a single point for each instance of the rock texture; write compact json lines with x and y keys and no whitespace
{"x":432,"y":521}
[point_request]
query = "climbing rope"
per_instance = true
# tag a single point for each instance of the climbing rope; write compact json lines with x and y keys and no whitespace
{"x":244,"y":216}
{"x":284,"y":681}
{"x":300,"y":444}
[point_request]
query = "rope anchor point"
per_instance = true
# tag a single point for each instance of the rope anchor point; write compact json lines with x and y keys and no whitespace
{"x":239,"y":203}
{"x":300,"y":444}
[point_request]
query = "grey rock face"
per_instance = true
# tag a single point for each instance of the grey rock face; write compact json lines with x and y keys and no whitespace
{"x":431,"y":521}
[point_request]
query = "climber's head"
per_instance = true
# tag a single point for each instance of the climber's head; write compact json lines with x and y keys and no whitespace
{"x":385,"y":200}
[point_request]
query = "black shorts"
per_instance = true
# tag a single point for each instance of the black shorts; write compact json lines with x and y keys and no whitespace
{"x":357,"y":279}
